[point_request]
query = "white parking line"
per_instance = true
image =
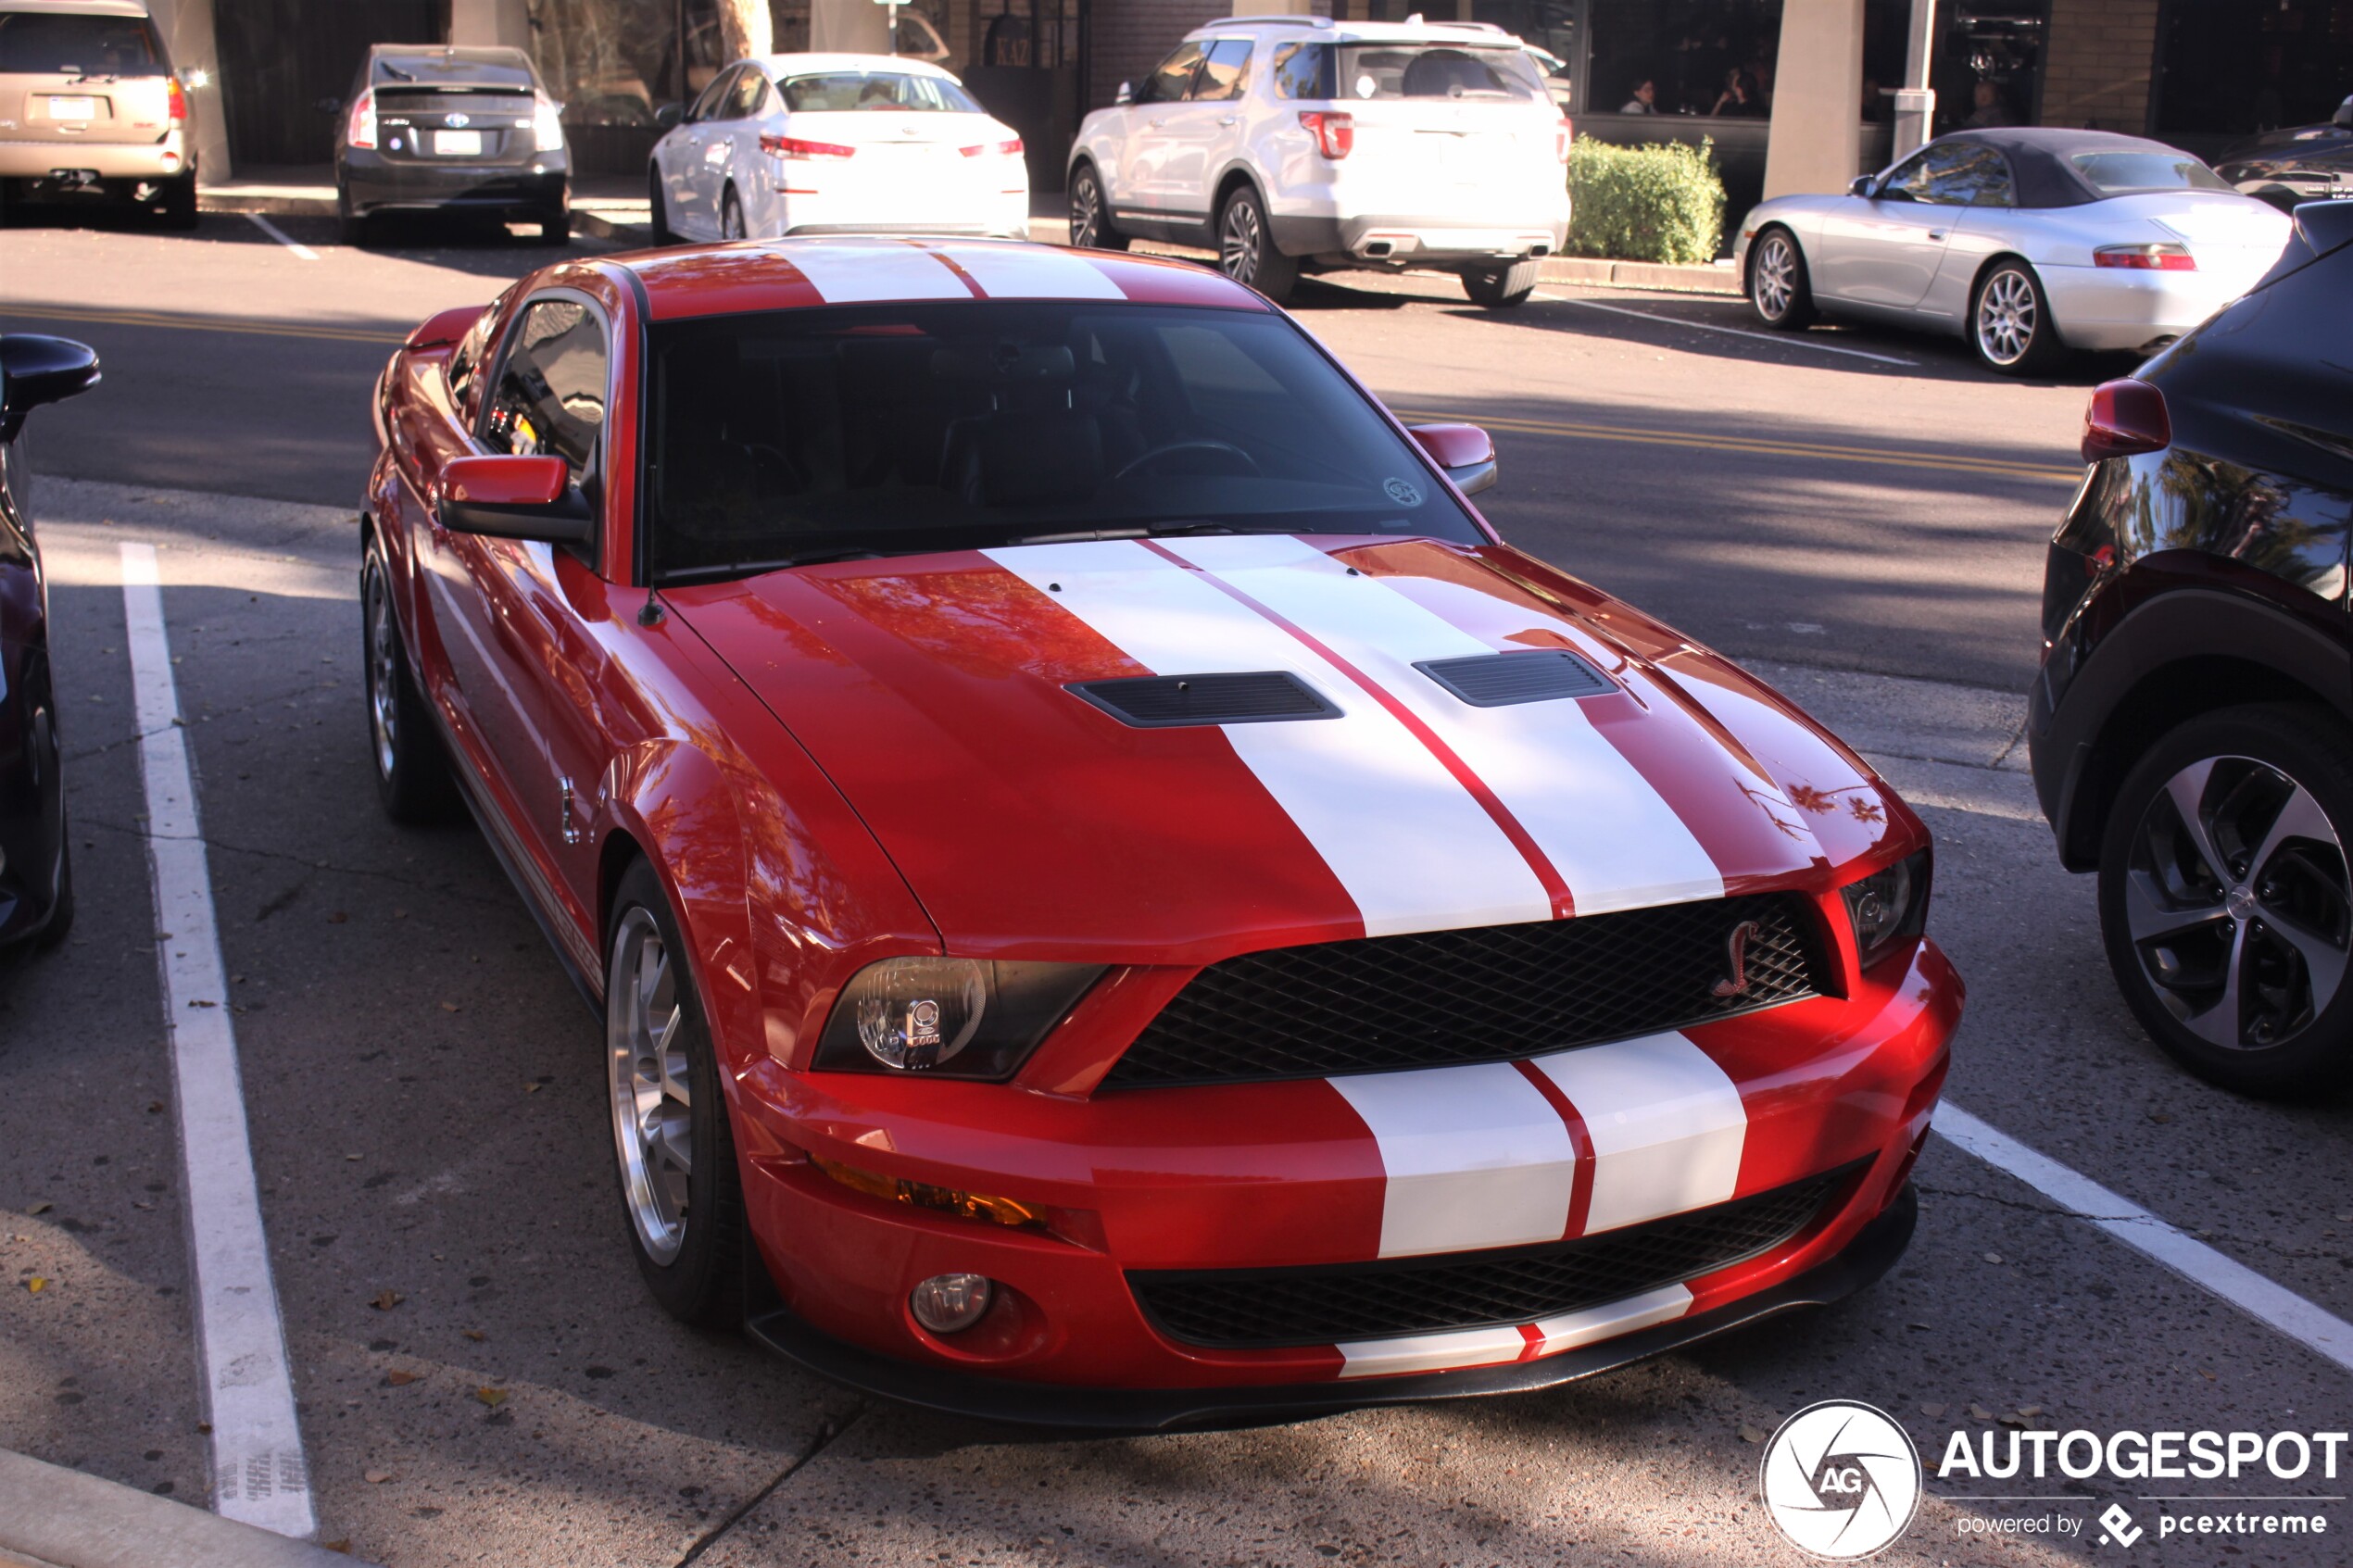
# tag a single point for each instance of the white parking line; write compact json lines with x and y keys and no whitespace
{"x":1786,"y":340}
{"x":259,"y":1475}
{"x":2317,"y":1329}
{"x":304,"y":251}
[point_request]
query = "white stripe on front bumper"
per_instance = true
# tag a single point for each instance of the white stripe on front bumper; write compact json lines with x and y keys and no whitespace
{"x":1475,"y":1156}
{"x":1666,"y":1125}
{"x":1496,"y":1347}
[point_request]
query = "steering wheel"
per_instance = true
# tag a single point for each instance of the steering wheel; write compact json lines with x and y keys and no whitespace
{"x":1198,"y":444}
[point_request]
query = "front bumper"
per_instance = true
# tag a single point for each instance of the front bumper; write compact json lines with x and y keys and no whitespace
{"x":2110,"y":308}
{"x":1279,"y":1176}
{"x":370,"y":183}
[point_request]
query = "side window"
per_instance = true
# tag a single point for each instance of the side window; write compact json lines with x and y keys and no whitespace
{"x":1911,"y":179}
{"x":751,"y":88}
{"x":1977,"y":177}
{"x":1303,"y":70}
{"x":1171,"y":79}
{"x":1224,"y":71}
{"x":709,"y":106}
{"x":550,"y":394}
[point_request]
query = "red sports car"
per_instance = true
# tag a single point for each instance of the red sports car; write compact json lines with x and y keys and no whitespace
{"x":1114,"y":899}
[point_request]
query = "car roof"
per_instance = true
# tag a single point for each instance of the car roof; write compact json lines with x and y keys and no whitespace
{"x":1323,"y":29}
{"x":2042,"y":157}
{"x":784,"y":64}
{"x":78,"y":7}
{"x":684,"y":282}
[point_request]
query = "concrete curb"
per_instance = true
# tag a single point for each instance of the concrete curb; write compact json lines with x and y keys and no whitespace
{"x":1639,"y":275}
{"x":57,"y":1518}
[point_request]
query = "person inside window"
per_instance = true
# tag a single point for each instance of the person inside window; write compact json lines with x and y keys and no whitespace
{"x":1645,"y":98}
{"x":1991,"y":112}
{"x":1740,"y":96}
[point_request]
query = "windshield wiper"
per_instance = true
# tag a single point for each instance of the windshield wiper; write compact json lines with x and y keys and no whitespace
{"x":750,"y":568}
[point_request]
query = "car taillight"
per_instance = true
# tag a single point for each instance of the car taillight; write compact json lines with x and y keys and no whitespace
{"x":1335,"y":133}
{"x":546,"y":124}
{"x":794,"y":147}
{"x":2126,"y":417}
{"x":1561,"y":139}
{"x":2147,"y":258}
{"x":362,"y":131}
{"x":1004,"y":149}
{"x":175,"y":102}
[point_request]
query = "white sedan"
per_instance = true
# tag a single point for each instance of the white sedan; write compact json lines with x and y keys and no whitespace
{"x":2026,"y":243}
{"x":837,"y":145}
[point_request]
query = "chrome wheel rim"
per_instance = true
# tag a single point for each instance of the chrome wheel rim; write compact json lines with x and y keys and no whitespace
{"x":1086,"y":212}
{"x":1775,"y":283}
{"x":383,"y":713}
{"x":1238,"y":242}
{"x":2007,"y":316}
{"x":652,"y":1124}
{"x":2236,"y":897}
{"x":731,"y":220}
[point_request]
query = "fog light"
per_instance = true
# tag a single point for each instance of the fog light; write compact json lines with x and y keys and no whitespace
{"x":950,"y":1303}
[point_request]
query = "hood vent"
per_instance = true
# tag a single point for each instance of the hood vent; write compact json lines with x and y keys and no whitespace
{"x":1499,"y":680}
{"x":1163,"y":702}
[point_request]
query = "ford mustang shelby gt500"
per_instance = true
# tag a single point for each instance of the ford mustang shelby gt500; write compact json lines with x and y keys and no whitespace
{"x":1115,"y":897}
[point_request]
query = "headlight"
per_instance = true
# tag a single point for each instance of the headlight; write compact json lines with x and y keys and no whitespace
{"x":961,"y":1018}
{"x":1888,"y":907}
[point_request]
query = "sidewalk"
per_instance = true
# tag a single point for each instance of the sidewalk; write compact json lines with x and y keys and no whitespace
{"x":614,"y":206}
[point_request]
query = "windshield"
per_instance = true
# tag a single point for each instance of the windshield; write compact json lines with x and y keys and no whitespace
{"x":2117,"y":174}
{"x":1433,"y":70}
{"x":882,"y":430}
{"x":874,"y":90}
{"x":46,"y":44}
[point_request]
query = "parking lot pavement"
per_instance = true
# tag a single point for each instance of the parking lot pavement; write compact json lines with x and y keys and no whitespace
{"x":427,"y":1121}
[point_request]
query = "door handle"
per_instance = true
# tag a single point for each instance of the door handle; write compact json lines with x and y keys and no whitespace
{"x":1936,"y":233}
{"x":1155,"y":124}
{"x":1228,"y":119}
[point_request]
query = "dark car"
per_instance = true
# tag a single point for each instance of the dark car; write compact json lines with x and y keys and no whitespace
{"x":36,"y":881}
{"x":2192,"y":727}
{"x":452,"y":130}
{"x":2302,"y":164}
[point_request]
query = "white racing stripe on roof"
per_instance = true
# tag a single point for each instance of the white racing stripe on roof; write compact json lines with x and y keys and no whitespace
{"x":1475,"y":1156}
{"x":862,"y":274}
{"x":1615,"y":841}
{"x":1013,"y":272}
{"x":1411,"y":846}
{"x":1666,"y":1125}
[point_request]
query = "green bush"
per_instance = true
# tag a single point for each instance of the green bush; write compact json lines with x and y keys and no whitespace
{"x":1644,"y":204}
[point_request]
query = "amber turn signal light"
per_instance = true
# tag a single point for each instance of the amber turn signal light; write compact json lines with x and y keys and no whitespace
{"x":922,"y":1195}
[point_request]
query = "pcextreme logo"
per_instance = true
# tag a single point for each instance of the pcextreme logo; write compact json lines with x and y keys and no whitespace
{"x":1840,"y":1479}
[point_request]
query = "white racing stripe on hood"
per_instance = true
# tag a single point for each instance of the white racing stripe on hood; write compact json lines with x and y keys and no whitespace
{"x":866,"y":273}
{"x":1409,"y":843}
{"x":1615,"y":840}
{"x":1011,"y":272}
{"x":1666,"y":1125}
{"x":1475,"y":1156}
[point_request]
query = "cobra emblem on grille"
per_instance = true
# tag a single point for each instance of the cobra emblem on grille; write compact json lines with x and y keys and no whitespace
{"x":1736,"y":958}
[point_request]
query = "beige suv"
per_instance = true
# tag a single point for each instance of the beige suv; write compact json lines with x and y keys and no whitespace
{"x":90,"y":109}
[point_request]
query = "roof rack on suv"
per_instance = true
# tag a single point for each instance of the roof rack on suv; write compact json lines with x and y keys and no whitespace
{"x":1269,"y":22}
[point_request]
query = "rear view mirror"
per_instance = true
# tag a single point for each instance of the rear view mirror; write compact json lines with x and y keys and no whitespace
{"x":1126,"y":94}
{"x":513,"y":498}
{"x":668,"y":116}
{"x":1466,"y":452}
{"x":35,"y":370}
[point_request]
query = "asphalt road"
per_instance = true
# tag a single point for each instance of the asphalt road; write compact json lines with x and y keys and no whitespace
{"x":426,"y":1103}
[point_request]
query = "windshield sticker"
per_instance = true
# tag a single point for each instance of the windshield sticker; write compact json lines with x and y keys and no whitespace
{"x":1403,"y":494}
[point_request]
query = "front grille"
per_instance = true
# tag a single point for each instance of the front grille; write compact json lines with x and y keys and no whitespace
{"x":1494,"y":993}
{"x":1260,"y":1308}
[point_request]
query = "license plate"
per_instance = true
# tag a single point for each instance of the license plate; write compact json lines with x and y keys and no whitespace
{"x":456,"y":143}
{"x":73,"y":109}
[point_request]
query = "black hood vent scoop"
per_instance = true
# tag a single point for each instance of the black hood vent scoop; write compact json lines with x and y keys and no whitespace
{"x":1167,"y":702}
{"x":1500,"y":680}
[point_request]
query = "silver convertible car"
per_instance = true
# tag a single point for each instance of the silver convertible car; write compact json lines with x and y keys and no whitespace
{"x":2028,"y":242}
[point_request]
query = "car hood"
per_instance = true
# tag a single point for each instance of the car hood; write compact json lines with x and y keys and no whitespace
{"x":1031,"y":822}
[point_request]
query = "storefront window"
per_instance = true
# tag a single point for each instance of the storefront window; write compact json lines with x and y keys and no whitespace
{"x":614,"y":62}
{"x":2228,"y":68}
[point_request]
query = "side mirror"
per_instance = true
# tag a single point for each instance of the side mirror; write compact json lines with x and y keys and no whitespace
{"x":2343,"y":116}
{"x":444,"y":327}
{"x":36,"y":370}
{"x":1126,"y":94}
{"x":1864,"y":186}
{"x":669,"y":115}
{"x":1466,"y":452}
{"x":513,"y":498}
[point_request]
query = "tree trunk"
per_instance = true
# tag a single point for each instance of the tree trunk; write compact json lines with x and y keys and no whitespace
{"x":747,"y":28}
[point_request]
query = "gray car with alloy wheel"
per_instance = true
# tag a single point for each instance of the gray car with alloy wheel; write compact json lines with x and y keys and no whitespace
{"x":2028,"y":243}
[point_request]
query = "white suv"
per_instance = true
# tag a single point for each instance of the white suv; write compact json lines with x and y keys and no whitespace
{"x":1297,"y":143}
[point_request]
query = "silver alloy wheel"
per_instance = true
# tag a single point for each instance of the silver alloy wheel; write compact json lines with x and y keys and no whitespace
{"x":2239,"y":902}
{"x":1239,"y":241}
{"x":2007,"y":316}
{"x":652,"y":1121}
{"x":383,"y":672}
{"x":1773,"y":278}
{"x":1086,"y":211}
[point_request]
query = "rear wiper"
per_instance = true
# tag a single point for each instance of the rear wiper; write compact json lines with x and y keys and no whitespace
{"x":394,"y":70}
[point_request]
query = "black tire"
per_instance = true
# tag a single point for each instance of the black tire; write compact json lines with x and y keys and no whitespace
{"x":1502,"y":286}
{"x":176,"y":209}
{"x":412,"y":771}
{"x":555,"y":227}
{"x":658,"y":210}
{"x":2245,"y":772}
{"x":1779,"y":289}
{"x":351,"y":225}
{"x":2020,"y":339}
{"x":695,"y":1270}
{"x":1246,"y":249}
{"x":731,"y":215}
{"x":1090,"y":213}
{"x":60,"y":922}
